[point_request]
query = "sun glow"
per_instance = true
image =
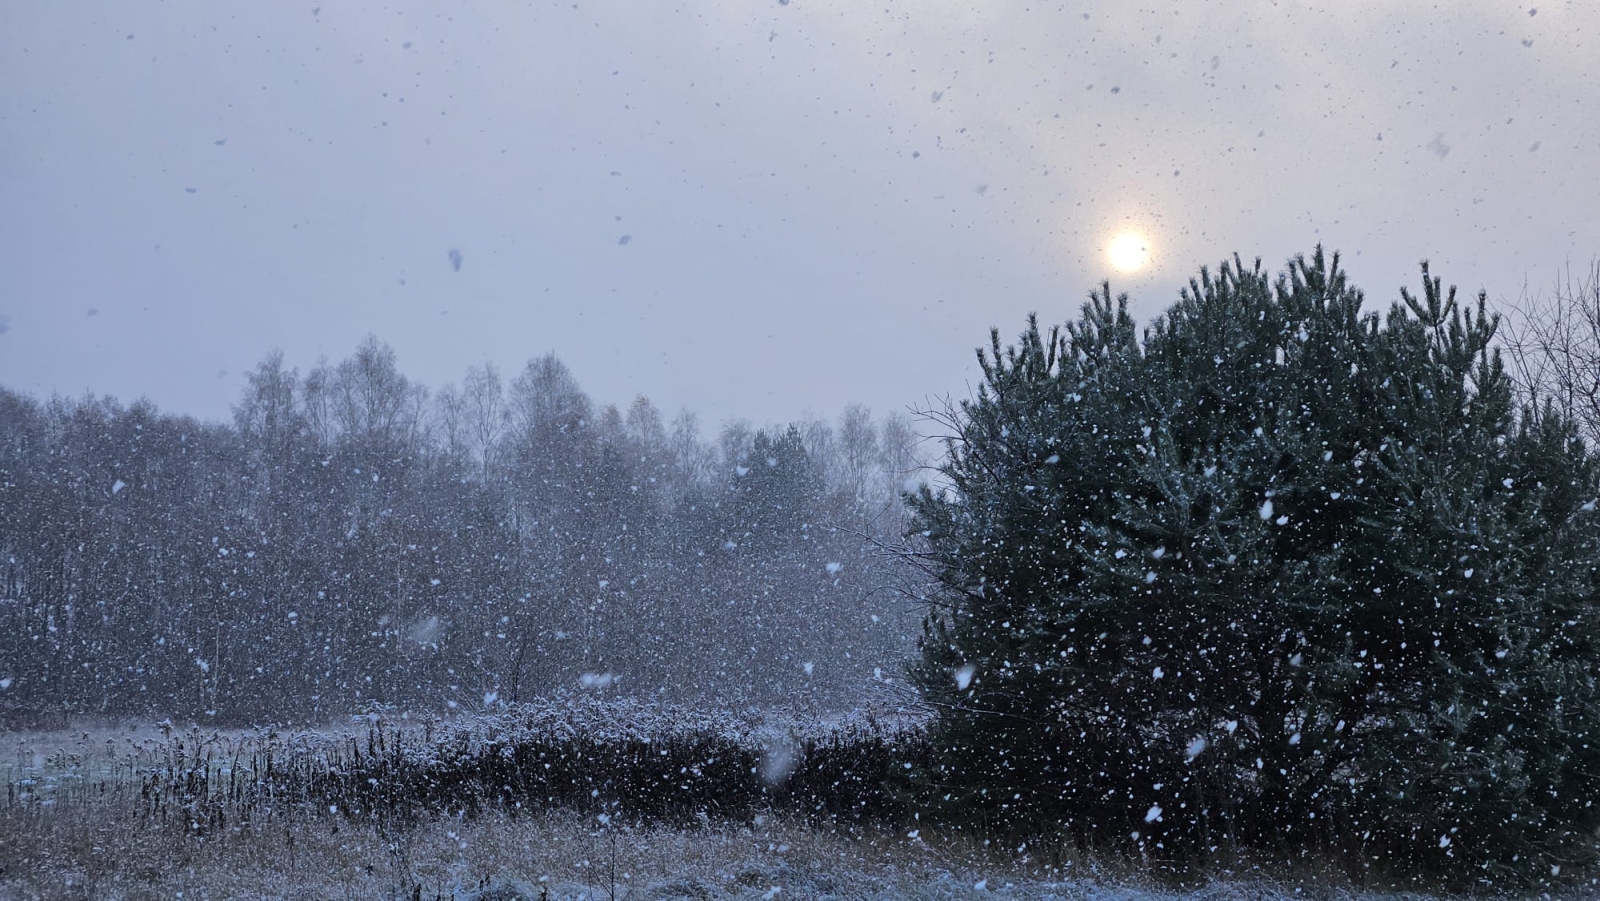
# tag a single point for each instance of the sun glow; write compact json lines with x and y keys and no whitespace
{"x":1129,"y":252}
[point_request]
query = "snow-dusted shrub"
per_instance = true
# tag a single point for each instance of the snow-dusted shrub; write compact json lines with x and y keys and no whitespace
{"x":623,"y":759}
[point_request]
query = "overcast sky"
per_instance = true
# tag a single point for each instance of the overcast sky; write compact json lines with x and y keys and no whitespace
{"x":755,"y":209}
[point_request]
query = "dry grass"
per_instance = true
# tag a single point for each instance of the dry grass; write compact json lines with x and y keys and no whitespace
{"x":87,"y":854}
{"x":151,"y":813}
{"x":82,"y":854}
{"x":119,"y":812}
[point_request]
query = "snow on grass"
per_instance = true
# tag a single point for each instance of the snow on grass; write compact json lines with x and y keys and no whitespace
{"x":514,"y":858}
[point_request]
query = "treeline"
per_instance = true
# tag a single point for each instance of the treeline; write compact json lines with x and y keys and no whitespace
{"x":352,"y":538}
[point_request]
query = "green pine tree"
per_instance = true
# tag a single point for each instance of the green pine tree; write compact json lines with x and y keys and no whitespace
{"x":1277,"y":573}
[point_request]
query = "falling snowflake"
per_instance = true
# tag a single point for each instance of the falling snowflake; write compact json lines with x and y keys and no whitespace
{"x":964,"y":677}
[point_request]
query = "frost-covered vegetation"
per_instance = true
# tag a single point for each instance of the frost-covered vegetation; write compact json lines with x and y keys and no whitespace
{"x":563,"y":857}
{"x":352,"y":538}
{"x":625,"y":759}
{"x":572,"y":797}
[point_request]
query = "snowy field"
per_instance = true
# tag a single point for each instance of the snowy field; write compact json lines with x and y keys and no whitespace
{"x":559,"y":856}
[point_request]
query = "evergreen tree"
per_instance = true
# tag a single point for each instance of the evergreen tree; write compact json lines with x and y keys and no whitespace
{"x":1277,"y":573}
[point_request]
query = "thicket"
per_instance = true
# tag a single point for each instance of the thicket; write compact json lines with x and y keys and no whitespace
{"x":1278,"y":574}
{"x":619,"y":761}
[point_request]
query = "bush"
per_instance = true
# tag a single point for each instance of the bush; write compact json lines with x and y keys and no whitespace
{"x":1278,"y":574}
{"x":622,"y":758}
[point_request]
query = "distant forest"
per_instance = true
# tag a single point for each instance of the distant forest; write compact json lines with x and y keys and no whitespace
{"x":353,"y":539}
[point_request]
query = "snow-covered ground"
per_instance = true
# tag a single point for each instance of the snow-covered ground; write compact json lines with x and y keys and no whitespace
{"x":559,"y":856}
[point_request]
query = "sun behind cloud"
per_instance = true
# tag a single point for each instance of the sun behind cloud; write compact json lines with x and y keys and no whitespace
{"x":1129,"y":252}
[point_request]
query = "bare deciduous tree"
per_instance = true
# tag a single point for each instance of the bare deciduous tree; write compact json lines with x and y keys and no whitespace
{"x":546,"y":399}
{"x":485,"y":412}
{"x":450,"y":411}
{"x":266,"y":417}
{"x":694,"y":461}
{"x":1554,"y":346}
{"x":858,"y":450}
{"x":644,"y":424}
{"x":372,"y":400}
